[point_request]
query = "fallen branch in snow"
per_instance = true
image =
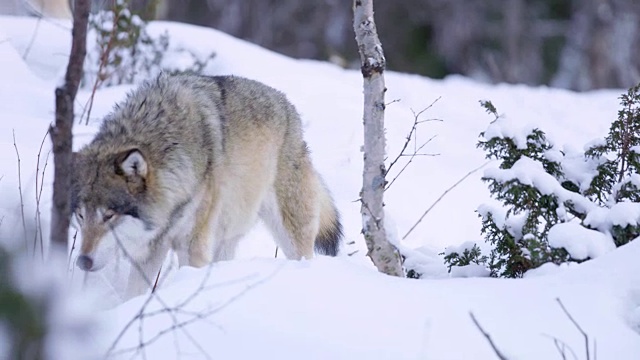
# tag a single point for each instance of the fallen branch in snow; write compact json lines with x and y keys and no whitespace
{"x":443,"y":195}
{"x":586,"y":336}
{"x":488,"y":337}
{"x":24,"y":224}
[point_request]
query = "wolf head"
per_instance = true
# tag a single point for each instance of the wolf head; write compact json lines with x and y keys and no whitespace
{"x":109,"y":188}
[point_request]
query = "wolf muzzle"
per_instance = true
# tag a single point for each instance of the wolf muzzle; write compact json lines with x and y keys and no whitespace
{"x":84,"y":262}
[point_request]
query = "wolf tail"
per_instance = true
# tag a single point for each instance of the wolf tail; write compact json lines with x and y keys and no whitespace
{"x":330,"y":232}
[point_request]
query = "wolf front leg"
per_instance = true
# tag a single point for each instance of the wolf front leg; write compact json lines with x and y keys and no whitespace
{"x":143,"y":274}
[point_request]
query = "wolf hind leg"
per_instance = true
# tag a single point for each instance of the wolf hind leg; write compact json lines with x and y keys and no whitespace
{"x":225,"y":248}
{"x":291,"y":210}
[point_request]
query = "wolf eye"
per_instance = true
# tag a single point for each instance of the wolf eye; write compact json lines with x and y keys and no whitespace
{"x":108,"y":215}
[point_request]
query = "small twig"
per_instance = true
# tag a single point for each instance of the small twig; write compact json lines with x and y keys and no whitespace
{"x":33,"y":38}
{"x":411,"y":156}
{"x":416,"y":116}
{"x":391,"y":102}
{"x":141,"y":347}
{"x":24,"y":224}
{"x":562,"y":347}
{"x":422,"y":154}
{"x":44,"y":169}
{"x":104,"y":58}
{"x":561,"y":350}
{"x":155,"y":284}
{"x":276,"y":256}
{"x":442,"y":196}
{"x":586,"y":336}
{"x":488,"y":337}
{"x":73,"y":247}
{"x":38,"y":193}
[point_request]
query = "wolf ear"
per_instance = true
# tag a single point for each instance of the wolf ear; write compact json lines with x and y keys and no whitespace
{"x":133,"y":164}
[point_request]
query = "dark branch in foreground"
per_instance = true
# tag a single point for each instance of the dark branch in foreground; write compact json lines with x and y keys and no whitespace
{"x":488,"y":337}
{"x":586,"y":336}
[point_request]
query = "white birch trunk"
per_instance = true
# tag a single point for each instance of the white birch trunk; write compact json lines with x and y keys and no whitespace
{"x":383,"y":254}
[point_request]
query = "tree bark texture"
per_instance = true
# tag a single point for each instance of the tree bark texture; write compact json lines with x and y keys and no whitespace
{"x":61,"y":131}
{"x":383,"y":254}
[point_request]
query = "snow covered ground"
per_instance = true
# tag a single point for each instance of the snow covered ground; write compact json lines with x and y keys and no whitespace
{"x":338,"y":308}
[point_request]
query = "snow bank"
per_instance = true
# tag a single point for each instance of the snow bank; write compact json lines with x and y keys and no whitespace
{"x":339,"y":308}
{"x":580,"y":242}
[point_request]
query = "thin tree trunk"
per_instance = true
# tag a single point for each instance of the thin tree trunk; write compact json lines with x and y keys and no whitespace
{"x":512,"y":38}
{"x":61,"y":135}
{"x":383,"y":254}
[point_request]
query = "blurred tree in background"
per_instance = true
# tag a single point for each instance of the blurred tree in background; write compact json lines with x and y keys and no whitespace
{"x":574,"y":44}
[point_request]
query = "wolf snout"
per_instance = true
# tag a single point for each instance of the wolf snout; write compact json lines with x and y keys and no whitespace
{"x":85,"y":262}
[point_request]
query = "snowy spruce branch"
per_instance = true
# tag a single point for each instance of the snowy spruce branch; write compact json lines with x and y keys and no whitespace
{"x":551,"y":212}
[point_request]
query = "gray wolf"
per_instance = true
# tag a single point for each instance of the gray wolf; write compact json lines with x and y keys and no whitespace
{"x":190,"y":163}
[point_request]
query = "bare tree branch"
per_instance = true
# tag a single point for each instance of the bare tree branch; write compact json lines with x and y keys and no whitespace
{"x":104,"y":59}
{"x":33,"y":38}
{"x":586,"y":336}
{"x":172,"y":311}
{"x":488,"y":337}
{"x":410,"y":136}
{"x":199,"y":316}
{"x":38,"y":192}
{"x":24,"y":224}
{"x":443,"y":195}
{"x":155,"y":284}
{"x":411,"y":157}
{"x":562,"y":347}
{"x":73,"y":247}
{"x":178,"y":309}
